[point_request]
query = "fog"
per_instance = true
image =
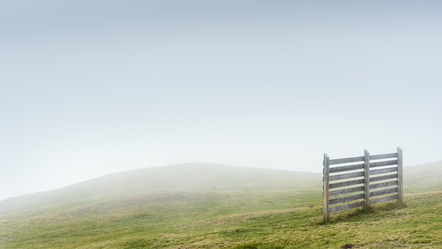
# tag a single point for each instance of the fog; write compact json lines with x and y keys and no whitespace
{"x":93,"y":88}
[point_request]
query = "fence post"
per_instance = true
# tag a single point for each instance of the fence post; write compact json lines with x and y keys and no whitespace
{"x":400,"y":175}
{"x":366,"y":178}
{"x":325,"y":185}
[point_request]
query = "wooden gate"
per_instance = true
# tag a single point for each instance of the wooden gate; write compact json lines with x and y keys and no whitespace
{"x":361,"y":181}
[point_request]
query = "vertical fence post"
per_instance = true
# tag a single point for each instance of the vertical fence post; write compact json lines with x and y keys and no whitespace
{"x":400,"y":175}
{"x":366,"y":178}
{"x":325,"y":186}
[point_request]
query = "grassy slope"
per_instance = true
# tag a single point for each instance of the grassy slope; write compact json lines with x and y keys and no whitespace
{"x":279,"y":218}
{"x":192,"y":177}
{"x":423,"y":177}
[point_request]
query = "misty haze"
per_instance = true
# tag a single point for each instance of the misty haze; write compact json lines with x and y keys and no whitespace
{"x":210,"y":124}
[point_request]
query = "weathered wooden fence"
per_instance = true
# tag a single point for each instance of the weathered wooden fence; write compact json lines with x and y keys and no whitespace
{"x":361,"y":181}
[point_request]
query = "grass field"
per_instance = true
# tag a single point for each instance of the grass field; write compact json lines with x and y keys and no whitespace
{"x":280,"y":218}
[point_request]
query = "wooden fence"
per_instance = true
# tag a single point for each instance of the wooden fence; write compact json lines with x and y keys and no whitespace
{"x":361,"y":181}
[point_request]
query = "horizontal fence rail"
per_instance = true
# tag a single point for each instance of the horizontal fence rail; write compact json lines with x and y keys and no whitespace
{"x":360,"y":181}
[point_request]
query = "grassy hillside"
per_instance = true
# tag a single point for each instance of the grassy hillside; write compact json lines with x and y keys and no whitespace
{"x":191,"y":177}
{"x":263,"y":219}
{"x":423,"y":177}
{"x":232,"y":215}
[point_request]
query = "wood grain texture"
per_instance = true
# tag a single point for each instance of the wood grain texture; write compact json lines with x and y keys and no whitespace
{"x":346,"y":199}
{"x":346,"y":183}
{"x":383,"y":199}
{"x":381,"y":178}
{"x":325,"y":188}
{"x":366,"y":178}
{"x":346,"y":168}
{"x":383,"y":184}
{"x":383,"y":192}
{"x":400,"y":175}
{"x":383,"y":171}
{"x":383,"y":163}
{"x":346,"y":191}
{"x":346,"y":176}
{"x":347,"y":160}
{"x":383,"y":156}
{"x":346,"y":206}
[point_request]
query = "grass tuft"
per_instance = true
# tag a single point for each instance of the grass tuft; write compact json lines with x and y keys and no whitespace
{"x":135,"y":244}
{"x":248,"y":246}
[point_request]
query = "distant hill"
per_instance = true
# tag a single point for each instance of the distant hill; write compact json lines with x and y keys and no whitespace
{"x":197,"y":177}
{"x":423,"y":177}
{"x":190,"y":177}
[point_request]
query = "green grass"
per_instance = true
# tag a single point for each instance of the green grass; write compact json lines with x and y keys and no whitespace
{"x":226,"y":219}
{"x":213,"y":206}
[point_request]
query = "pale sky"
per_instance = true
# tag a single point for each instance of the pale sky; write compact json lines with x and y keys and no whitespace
{"x":89,"y":88}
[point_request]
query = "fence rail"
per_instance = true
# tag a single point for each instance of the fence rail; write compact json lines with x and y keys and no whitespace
{"x":350,"y":183}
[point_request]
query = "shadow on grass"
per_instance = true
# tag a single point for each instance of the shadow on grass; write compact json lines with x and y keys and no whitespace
{"x":360,"y":213}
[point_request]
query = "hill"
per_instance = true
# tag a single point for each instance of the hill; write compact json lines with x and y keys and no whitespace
{"x":198,"y":177}
{"x":423,"y":177}
{"x":190,"y":177}
{"x":217,"y":206}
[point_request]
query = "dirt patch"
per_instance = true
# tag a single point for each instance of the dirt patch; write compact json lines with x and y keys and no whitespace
{"x":347,"y":246}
